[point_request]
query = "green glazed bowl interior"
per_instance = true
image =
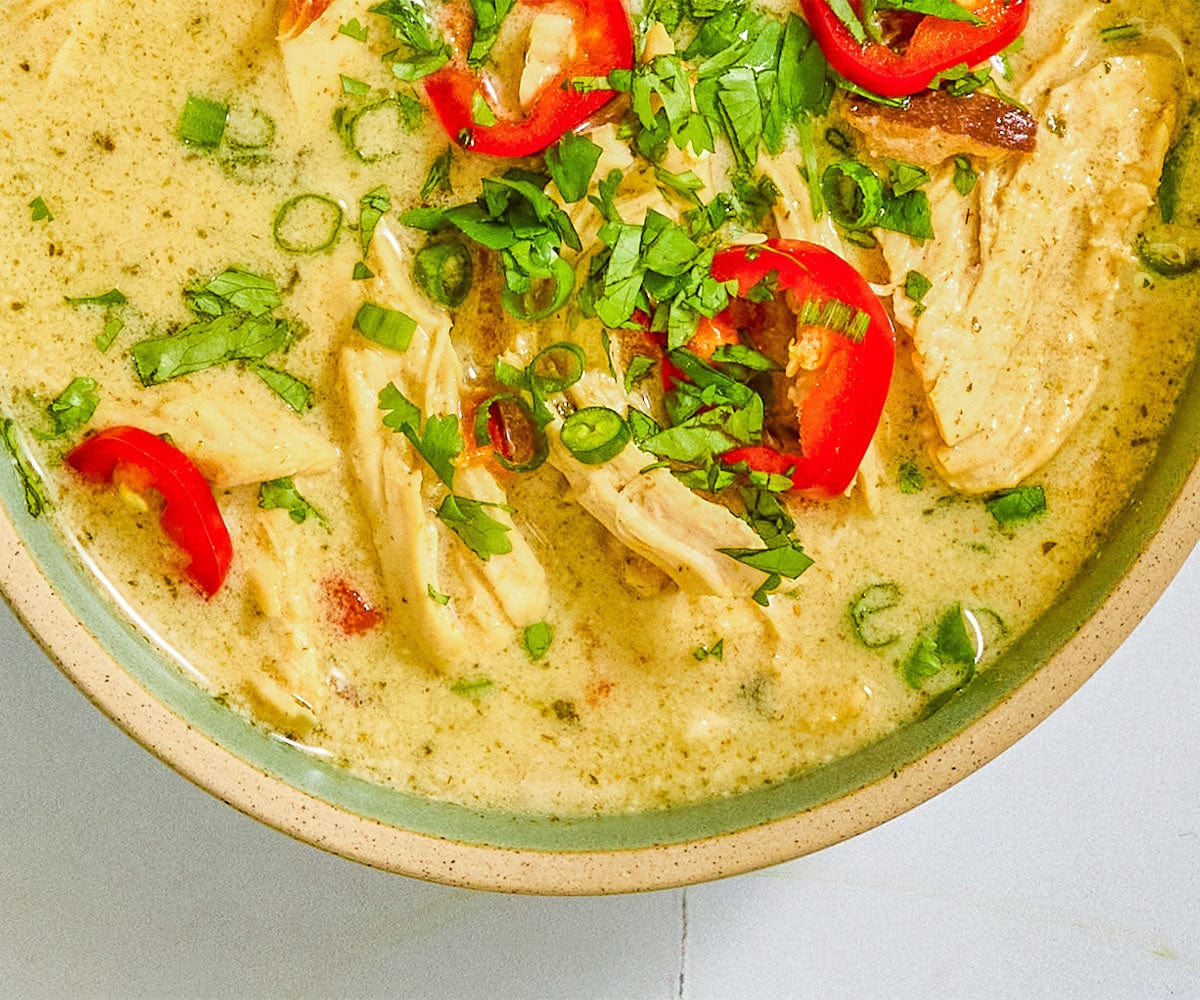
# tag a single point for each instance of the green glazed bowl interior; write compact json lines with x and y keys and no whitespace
{"x":144,"y":690}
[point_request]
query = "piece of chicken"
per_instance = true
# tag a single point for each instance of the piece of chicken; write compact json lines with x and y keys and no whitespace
{"x":1026,"y":270}
{"x":235,"y":429}
{"x":653,"y":513}
{"x":420,"y":556}
{"x":290,"y":688}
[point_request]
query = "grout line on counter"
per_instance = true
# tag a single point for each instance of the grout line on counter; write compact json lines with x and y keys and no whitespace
{"x":683,"y":936}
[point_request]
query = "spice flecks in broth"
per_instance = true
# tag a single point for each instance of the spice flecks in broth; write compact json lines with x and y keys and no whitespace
{"x":501,"y":418}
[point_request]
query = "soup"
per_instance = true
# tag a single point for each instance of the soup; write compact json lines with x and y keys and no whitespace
{"x":579,"y":454}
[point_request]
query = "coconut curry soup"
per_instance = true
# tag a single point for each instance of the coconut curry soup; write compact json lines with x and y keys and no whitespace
{"x":564,"y":406}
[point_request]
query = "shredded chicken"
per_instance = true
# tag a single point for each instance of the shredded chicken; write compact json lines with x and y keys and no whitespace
{"x":653,"y":513}
{"x":235,"y":431}
{"x":1026,"y":271}
{"x":417,"y":551}
{"x":291,"y":687}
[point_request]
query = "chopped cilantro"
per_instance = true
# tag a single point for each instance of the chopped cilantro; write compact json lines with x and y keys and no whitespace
{"x":233,"y":323}
{"x":37,"y":500}
{"x":39,"y":212}
{"x":297,"y":394}
{"x":438,"y":178}
{"x":353,"y":29}
{"x":1017,"y":505}
{"x":489,"y":18}
{"x":536,"y":639}
{"x":965,"y":177}
{"x":352,"y":86}
{"x":281,"y":494}
{"x":912,"y":479}
{"x":571,"y":163}
{"x":439,"y":443}
{"x":483,"y":534}
{"x":110,"y":298}
{"x":916,"y":287}
{"x":372,"y":207}
{"x":74,"y":406}
{"x":422,"y":50}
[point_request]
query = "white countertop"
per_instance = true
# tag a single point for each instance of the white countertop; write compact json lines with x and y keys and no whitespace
{"x":1069,"y":867}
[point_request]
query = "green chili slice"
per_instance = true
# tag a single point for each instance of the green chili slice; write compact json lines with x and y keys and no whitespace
{"x":595,"y":434}
{"x":530,"y":436}
{"x":556,"y":368}
{"x":853,"y":193}
{"x":1167,"y":258}
{"x":545,"y":297}
{"x":307,"y":224}
{"x":444,"y":272}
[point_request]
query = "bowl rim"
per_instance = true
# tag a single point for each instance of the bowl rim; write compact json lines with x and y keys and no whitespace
{"x":306,"y":817}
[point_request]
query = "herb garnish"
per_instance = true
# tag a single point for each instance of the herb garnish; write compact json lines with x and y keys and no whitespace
{"x":233,"y":323}
{"x":536,"y":639}
{"x":281,"y":494}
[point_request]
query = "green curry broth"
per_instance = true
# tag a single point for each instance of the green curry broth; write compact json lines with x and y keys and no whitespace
{"x":624,"y":711}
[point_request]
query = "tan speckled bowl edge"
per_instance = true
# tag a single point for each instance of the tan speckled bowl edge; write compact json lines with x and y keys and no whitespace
{"x":277,"y":804}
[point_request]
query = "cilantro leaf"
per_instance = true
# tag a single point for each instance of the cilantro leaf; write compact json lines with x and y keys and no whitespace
{"x":37,"y":500}
{"x":536,"y":639}
{"x":571,"y":163}
{"x":1017,"y":505}
{"x":75,"y":405}
{"x":281,"y":494}
{"x":483,"y":534}
{"x":439,"y":443}
{"x":489,"y":18}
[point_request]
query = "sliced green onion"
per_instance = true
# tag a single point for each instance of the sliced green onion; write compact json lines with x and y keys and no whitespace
{"x":839,"y":317}
{"x":526,"y":306}
{"x":854,"y":194}
{"x":595,"y":434}
{"x":249,"y":130}
{"x":538,"y":447}
{"x":352,"y":86}
{"x":308,"y":223}
{"x":39,"y":212}
{"x":202,"y":123}
{"x":444,"y":272}
{"x":385,"y":327}
{"x":380,"y":130}
{"x":868,"y":603}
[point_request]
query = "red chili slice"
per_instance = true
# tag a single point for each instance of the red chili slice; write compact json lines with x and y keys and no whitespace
{"x":934,"y":45}
{"x":190,"y":515}
{"x":603,"y":42}
{"x":838,"y":417}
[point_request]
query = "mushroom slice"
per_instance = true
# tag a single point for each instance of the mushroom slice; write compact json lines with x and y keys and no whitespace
{"x":934,"y":126}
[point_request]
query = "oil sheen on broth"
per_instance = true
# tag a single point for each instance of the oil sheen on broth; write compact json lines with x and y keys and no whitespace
{"x":646,"y":694}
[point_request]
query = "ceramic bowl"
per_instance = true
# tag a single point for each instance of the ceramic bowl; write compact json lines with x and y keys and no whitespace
{"x":102,"y":651}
